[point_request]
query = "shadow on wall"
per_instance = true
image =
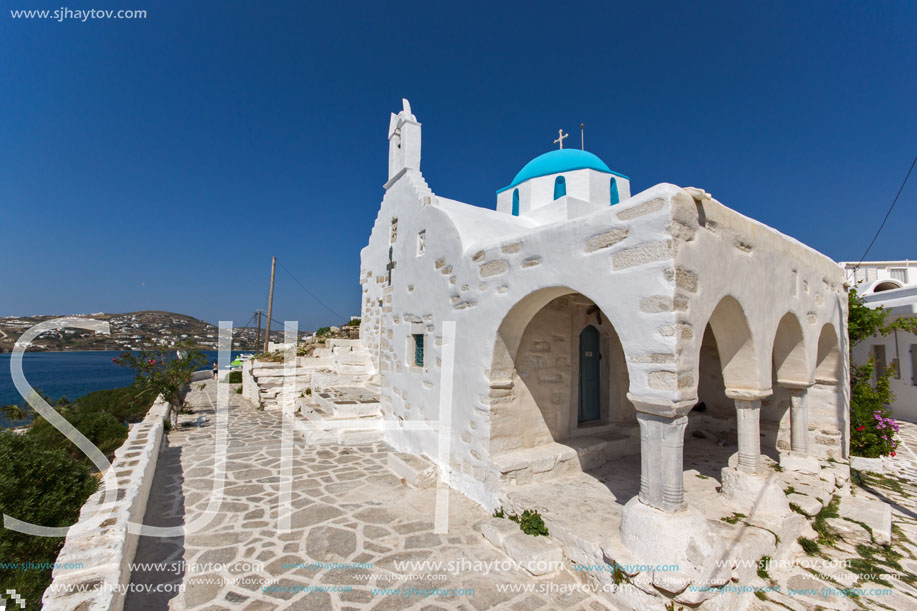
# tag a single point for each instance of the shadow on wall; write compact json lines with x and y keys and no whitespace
{"x":166,"y":507}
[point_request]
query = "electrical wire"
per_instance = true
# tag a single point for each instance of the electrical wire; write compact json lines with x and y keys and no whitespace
{"x":887,"y":214}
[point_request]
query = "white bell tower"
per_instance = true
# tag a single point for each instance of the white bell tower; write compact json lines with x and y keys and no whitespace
{"x":403,"y":142}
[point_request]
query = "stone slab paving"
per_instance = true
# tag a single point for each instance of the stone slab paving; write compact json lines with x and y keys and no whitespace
{"x":347,"y":508}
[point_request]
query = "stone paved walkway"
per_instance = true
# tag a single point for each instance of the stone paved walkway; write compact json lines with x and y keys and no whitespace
{"x":347,"y":508}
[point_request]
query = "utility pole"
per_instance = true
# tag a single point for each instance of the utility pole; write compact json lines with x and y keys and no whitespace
{"x":258,"y":337}
{"x":270,"y":306}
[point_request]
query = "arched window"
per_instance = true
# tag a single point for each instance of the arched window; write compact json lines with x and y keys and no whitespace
{"x":614,"y":191}
{"x":515,"y":202}
{"x":560,"y":187}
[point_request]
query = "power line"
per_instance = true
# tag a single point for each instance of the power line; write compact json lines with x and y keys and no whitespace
{"x":340,"y":316}
{"x":890,"y":208}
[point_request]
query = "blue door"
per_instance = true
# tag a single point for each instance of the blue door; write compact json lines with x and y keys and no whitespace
{"x":589,"y":384}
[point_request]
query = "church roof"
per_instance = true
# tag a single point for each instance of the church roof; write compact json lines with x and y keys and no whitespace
{"x":556,"y":162}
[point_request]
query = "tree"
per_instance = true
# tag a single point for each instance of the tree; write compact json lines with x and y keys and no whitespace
{"x":873,"y":429}
{"x":166,"y":373}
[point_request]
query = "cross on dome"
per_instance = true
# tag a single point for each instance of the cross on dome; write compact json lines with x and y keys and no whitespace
{"x":560,"y":138}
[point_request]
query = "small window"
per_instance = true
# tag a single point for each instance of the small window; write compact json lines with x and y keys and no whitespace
{"x":515,"y":202}
{"x":899,"y":274}
{"x":418,"y":349}
{"x":560,"y":187}
{"x":614,"y":191}
{"x":421,"y":242}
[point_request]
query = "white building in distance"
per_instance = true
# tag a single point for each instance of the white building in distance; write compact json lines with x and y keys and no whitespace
{"x":888,"y":289}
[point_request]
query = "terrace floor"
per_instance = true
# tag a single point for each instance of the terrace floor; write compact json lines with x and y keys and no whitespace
{"x":347,"y":508}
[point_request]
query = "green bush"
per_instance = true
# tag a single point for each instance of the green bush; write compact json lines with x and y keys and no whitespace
{"x":43,"y":486}
{"x":128,"y":404}
{"x":872,"y":429}
{"x":99,"y":427}
{"x":235,"y":377}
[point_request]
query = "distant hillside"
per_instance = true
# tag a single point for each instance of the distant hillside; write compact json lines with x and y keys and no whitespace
{"x":148,"y":329}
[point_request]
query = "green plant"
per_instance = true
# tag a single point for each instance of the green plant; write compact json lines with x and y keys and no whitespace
{"x":617,"y":575}
{"x":41,"y":485}
{"x":808,"y":545}
{"x":734,"y":518}
{"x":826,"y":536}
{"x":872,"y":429}
{"x":353,"y":323}
{"x":763,"y":564}
{"x":166,"y":373}
{"x":797,"y":509}
{"x":531,"y":523}
{"x":99,"y":427}
{"x":166,"y":425}
{"x":235,"y":377}
{"x":698,"y":475}
{"x":239,"y":391}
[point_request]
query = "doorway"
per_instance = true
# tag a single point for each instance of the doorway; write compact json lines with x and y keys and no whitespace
{"x":589,"y":375}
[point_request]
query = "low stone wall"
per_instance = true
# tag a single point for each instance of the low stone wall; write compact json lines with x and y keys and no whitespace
{"x":203,"y":374}
{"x":106,"y":552}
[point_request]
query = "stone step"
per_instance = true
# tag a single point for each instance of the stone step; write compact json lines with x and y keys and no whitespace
{"x":415,"y":471}
{"x":354,"y":431}
{"x":335,"y":408}
{"x":331,"y":379}
{"x":552,"y":460}
{"x":344,"y":343}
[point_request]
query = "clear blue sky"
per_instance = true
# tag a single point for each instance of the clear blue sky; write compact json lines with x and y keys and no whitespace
{"x":159,"y":164}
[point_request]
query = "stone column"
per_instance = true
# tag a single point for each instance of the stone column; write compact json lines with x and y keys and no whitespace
{"x":799,"y":422}
{"x":661,"y":460}
{"x":749,"y":430}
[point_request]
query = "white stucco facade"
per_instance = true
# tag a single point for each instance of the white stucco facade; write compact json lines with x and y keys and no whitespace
{"x":650,"y":273}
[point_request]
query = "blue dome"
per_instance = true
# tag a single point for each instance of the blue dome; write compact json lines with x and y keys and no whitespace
{"x":556,"y":162}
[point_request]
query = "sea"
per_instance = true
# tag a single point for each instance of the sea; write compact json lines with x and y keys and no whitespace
{"x":67,"y":374}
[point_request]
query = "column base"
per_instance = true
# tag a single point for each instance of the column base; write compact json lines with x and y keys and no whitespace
{"x":684,"y":539}
{"x":799,"y":463}
{"x":753,"y":494}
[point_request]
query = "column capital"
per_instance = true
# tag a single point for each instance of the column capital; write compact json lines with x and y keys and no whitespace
{"x":795,"y":384}
{"x":661,"y":407}
{"x":749,"y":394}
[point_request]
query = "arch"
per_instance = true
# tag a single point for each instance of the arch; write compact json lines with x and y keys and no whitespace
{"x":886,"y":285}
{"x":534,"y":375}
{"x":735,"y":345}
{"x":515,"y":202}
{"x":828,"y":364}
{"x":615,"y":198}
{"x":560,"y":187}
{"x":789,"y":354}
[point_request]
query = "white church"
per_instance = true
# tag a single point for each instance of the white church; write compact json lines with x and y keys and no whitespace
{"x":609,"y":346}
